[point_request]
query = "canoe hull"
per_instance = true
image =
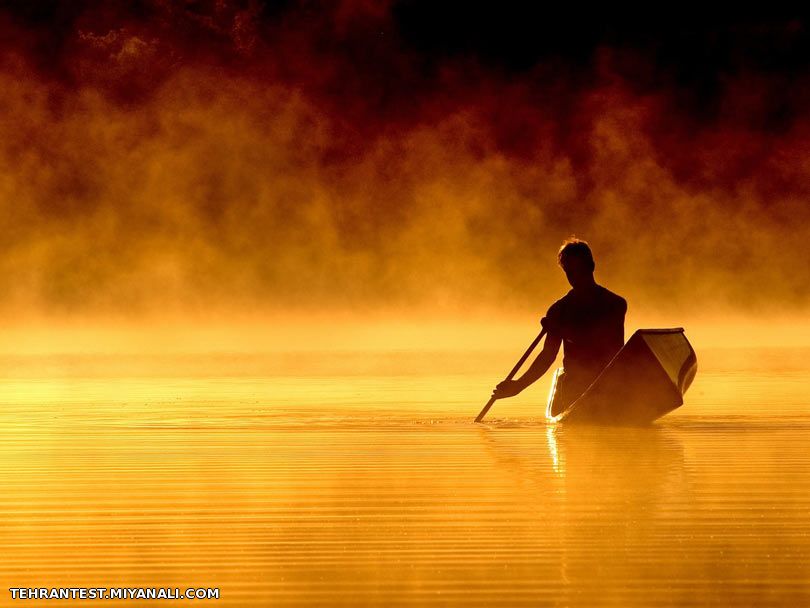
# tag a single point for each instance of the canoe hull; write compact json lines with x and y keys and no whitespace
{"x":644,"y":381}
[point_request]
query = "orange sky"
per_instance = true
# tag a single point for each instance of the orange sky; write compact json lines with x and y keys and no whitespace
{"x":229,"y":160}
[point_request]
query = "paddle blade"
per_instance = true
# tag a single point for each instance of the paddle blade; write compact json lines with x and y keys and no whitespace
{"x":484,"y":411}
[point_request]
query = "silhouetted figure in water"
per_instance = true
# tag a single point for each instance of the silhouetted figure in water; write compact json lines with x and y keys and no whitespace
{"x":588,"y":320}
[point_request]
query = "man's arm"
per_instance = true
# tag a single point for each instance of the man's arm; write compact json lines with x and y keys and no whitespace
{"x":510,"y":388}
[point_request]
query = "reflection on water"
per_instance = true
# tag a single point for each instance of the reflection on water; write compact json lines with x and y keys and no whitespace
{"x":376,"y":489}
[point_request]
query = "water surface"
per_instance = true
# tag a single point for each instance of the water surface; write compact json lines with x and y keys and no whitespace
{"x":356,"y":479}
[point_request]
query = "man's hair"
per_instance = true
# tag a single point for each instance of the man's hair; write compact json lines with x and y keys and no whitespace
{"x":575,"y":247}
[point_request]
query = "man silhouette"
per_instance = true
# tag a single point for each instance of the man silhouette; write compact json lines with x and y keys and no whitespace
{"x":588,"y":321}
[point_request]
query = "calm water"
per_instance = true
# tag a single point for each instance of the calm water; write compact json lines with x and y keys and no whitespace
{"x":351,"y":479}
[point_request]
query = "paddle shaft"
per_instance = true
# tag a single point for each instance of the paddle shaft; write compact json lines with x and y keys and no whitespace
{"x":515,"y":369}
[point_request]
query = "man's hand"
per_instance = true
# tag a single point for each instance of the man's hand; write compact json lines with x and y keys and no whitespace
{"x":507,"y":388}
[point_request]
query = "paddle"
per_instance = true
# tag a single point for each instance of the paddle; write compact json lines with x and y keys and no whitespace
{"x":515,"y":369}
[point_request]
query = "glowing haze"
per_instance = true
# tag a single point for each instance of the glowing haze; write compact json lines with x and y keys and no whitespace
{"x":179,"y":157}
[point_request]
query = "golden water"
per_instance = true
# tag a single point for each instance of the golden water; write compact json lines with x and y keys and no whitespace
{"x":352,"y":479}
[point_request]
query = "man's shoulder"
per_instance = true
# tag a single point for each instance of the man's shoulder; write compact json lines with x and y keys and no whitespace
{"x":606,"y":299}
{"x":613,"y":299}
{"x":561,"y":303}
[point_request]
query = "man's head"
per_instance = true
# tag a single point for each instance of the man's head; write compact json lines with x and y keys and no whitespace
{"x":576,"y":260}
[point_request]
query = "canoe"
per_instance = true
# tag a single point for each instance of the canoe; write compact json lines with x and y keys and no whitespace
{"x":644,"y":381}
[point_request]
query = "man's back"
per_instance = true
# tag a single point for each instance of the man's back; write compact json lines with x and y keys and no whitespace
{"x":590,"y":323}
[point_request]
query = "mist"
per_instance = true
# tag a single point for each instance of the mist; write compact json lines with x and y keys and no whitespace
{"x":245,"y":159}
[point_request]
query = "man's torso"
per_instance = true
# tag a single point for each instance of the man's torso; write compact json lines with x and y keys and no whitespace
{"x":591,"y":325}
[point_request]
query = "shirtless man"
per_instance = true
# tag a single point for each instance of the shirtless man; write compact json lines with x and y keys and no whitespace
{"x":588,"y":321}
